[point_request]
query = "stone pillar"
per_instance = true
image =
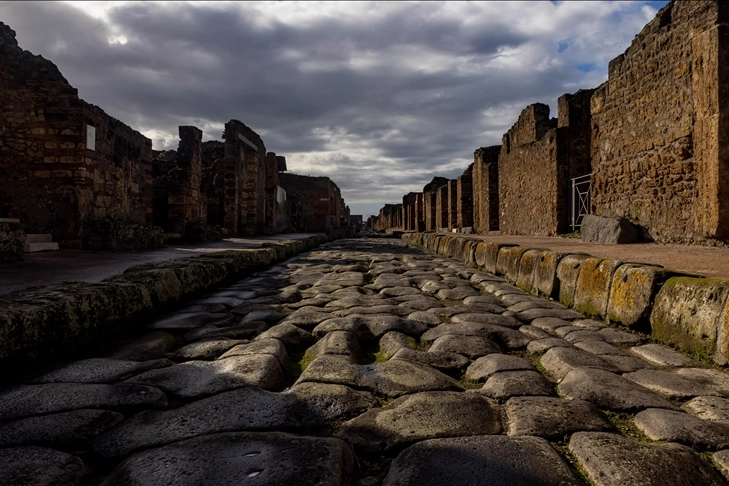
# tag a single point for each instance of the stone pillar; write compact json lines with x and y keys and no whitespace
{"x":452,"y":210}
{"x":464,"y":199}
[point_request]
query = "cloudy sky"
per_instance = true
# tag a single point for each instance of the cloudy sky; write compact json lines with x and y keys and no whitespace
{"x":381,"y":97}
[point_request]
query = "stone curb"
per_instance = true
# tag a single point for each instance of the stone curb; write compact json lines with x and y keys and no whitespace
{"x":47,"y":319}
{"x":688,"y":311}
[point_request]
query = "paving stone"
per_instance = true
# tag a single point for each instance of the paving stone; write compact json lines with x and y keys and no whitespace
{"x":338,"y":343}
{"x":659,"y":355}
{"x":288,"y":334}
{"x":608,"y":391}
{"x":559,"y":361}
{"x":462,"y":461}
{"x":249,"y":307}
{"x":532,"y":314}
{"x":718,"y":380}
{"x":588,"y":324}
{"x":673,"y":385}
{"x":458,"y":293}
{"x":599,"y":348}
{"x":534,"y":332}
{"x":357,"y":300}
{"x":29,"y":400}
{"x":614,"y":460}
{"x":393,"y":378}
{"x":579,"y":336}
{"x":484,"y":367}
{"x":624,"y":364}
{"x":38,"y":466}
{"x":398,"y":291}
{"x":721,"y":459}
{"x":312,"y":302}
{"x":433,"y":286}
{"x":186,"y":321}
{"x":553,"y":418}
{"x":270,"y":346}
{"x":211,"y":307}
{"x":198,"y":378}
{"x":226,"y":301}
{"x":440,"y":360}
{"x":450,"y":311}
{"x":306,"y":319}
{"x":270,"y":316}
{"x":100,"y":370}
{"x":422,"y":416}
{"x":58,"y":429}
{"x":423,"y":303}
{"x":673,"y":426}
{"x":469,"y":346}
{"x":208,"y":349}
{"x":393,"y":341}
{"x":510,"y":297}
{"x":495,"y":319}
{"x":482,"y":299}
{"x":710,"y":408}
{"x":565,"y":330}
{"x":152,"y":345}
{"x":508,"y":384}
{"x":309,"y":404}
{"x":620,"y":338}
{"x":241,"y":331}
{"x":426,"y":317}
{"x":535,"y":304}
{"x":541,"y":346}
{"x":367,"y":327}
{"x":549,"y":324}
{"x":240,"y":458}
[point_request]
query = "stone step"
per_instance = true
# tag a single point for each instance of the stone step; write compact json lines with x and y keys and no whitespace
{"x":36,"y":247}
{"x":38,"y":238}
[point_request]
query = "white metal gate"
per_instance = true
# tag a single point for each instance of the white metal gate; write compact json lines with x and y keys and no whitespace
{"x":580,"y":200}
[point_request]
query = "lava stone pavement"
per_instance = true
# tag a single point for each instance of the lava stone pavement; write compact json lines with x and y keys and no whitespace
{"x":367,"y":362}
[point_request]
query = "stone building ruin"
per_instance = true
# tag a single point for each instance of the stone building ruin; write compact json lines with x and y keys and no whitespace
{"x":653,"y":141}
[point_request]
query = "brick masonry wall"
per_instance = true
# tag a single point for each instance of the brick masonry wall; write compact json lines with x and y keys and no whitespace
{"x":311,"y":200}
{"x":486,"y":189}
{"x":464,"y":199}
{"x":659,"y":129}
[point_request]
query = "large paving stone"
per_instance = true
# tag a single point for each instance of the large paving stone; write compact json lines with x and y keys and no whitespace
{"x":475,"y":460}
{"x":305,"y":405}
{"x":337,"y":342}
{"x":486,"y":366}
{"x":392,"y":378}
{"x":395,"y":309}
{"x":508,"y":338}
{"x":440,"y":360}
{"x":673,"y":385}
{"x":38,"y":466}
{"x":550,"y":324}
{"x":709,"y":408}
{"x":599,"y":348}
{"x":422,"y":416}
{"x":192,"y":320}
{"x":307,"y":319}
{"x":469,"y":346}
{"x":428,"y":318}
{"x":208,"y":349}
{"x":534,"y":332}
{"x":271,"y":346}
{"x":288,"y":334}
{"x":508,"y":384}
{"x":198,"y":378}
{"x":625,"y":364}
{"x":393,"y":341}
{"x":609,"y":391}
{"x":673,"y":426}
{"x":58,"y":428}
{"x":620,"y":338}
{"x":533,"y":314}
{"x":553,"y":418}
{"x":496,"y":319}
{"x":459,"y":293}
{"x":659,"y":355}
{"x":242,"y":458}
{"x":559,"y":361}
{"x":152,"y":345}
{"x":614,"y":460}
{"x":241,"y":331}
{"x":540,"y":346}
{"x":100,"y":370}
{"x":29,"y":400}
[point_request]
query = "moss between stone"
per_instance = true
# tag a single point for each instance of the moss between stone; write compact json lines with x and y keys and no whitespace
{"x":624,"y":422}
{"x":470,"y":384}
{"x":572,"y":462}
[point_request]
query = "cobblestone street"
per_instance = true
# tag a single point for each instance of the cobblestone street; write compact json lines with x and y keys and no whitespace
{"x":368,"y":362}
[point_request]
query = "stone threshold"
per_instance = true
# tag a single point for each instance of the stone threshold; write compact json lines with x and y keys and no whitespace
{"x":40,"y":322}
{"x":688,"y":311}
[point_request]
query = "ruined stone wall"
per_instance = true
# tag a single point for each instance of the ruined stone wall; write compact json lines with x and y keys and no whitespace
{"x":311,"y":200}
{"x":276,"y":210}
{"x":485,"y":186}
{"x":213,"y":180}
{"x":660,"y":126}
{"x":59,"y":177}
{"x":464,"y":199}
{"x":419,"y":212}
{"x":452,"y":209}
{"x":430,"y":203}
{"x":409,"y":209}
{"x":441,"y":207}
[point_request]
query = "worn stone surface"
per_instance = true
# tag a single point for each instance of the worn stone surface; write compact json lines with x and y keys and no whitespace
{"x":206,"y":350}
{"x":674,"y":385}
{"x":100,"y":370}
{"x":59,"y":428}
{"x":422,"y":416}
{"x":150,"y":346}
{"x":593,"y":286}
{"x":469,"y":346}
{"x":659,"y":355}
{"x":440,"y":360}
{"x":609,"y":391}
{"x":482,"y":368}
{"x":632,"y":292}
{"x":672,"y":426}
{"x":468,"y":460}
{"x":40,"y":466}
{"x":710,"y":408}
{"x":612,"y":460}
{"x":240,"y":458}
{"x":553,"y":418}
{"x":393,"y":341}
{"x":559,"y":361}
{"x":516,"y":383}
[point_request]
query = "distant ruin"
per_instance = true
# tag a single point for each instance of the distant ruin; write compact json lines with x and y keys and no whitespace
{"x":651,"y":142}
{"x":69,"y":170}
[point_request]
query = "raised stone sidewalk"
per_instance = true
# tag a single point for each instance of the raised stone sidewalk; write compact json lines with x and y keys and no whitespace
{"x":368,"y":362}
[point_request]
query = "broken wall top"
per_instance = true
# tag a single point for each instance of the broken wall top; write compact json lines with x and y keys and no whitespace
{"x":531,"y":126}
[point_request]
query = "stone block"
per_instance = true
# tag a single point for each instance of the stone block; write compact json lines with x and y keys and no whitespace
{"x":692,"y":314}
{"x":12,"y":241}
{"x":546,"y":280}
{"x":568,"y":271}
{"x":608,"y":231}
{"x":632,"y":292}
{"x":593,"y":286}
{"x":507,"y":262}
{"x":528,"y":266}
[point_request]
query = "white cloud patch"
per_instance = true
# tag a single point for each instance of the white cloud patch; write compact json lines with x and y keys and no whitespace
{"x":379,"y":96}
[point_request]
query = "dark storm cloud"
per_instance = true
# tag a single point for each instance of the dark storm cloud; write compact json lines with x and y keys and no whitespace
{"x":380,"y":97}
